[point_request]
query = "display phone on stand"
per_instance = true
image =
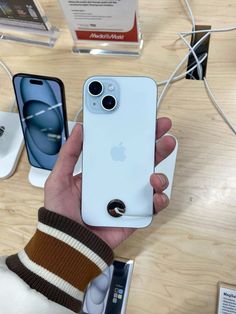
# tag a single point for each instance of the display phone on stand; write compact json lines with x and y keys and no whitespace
{"x":42,"y":109}
{"x":118,"y":151}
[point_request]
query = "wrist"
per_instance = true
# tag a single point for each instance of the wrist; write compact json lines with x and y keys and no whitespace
{"x":61,"y":259}
{"x":70,"y":212}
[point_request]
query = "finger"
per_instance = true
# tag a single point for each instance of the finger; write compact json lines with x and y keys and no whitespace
{"x":161,"y":201}
{"x":78,"y":181}
{"x":162,"y":127}
{"x":159,"y":182}
{"x":164,"y":147}
{"x":69,"y":153}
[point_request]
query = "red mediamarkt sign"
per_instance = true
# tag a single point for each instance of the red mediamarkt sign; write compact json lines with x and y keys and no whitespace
{"x":130,"y":36}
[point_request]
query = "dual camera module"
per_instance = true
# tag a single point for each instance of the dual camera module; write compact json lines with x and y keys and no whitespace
{"x":108,"y":102}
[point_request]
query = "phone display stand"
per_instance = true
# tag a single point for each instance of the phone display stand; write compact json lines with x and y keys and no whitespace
{"x":33,"y":27}
{"x":11,"y":143}
{"x":37,"y":177}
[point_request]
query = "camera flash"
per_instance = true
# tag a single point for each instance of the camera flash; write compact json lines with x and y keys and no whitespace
{"x":111,"y":87}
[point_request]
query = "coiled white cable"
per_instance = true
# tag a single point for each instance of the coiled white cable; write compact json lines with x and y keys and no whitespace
{"x":199,"y":67}
{"x":165,"y":89}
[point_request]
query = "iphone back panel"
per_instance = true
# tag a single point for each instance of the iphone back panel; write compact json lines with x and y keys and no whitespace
{"x":118,"y":151}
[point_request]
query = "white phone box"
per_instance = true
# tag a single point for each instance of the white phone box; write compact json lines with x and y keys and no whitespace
{"x":226,"y":298}
{"x":109,"y":292}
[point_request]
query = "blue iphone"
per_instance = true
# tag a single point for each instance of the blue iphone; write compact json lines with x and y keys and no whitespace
{"x":42,"y":110}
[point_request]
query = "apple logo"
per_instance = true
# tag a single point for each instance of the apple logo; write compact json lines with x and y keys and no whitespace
{"x":118,"y":152}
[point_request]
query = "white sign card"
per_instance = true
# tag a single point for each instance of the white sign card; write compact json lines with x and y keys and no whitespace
{"x":110,"y":20}
{"x":227,"y":299}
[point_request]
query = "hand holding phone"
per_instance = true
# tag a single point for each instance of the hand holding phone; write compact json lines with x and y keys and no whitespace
{"x":118,"y":151}
{"x":63,"y":190}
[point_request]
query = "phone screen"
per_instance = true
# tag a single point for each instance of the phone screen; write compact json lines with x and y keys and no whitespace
{"x":43,"y":118}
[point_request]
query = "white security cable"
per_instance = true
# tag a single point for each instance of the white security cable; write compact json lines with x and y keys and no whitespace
{"x":216,"y":30}
{"x":190,"y":12}
{"x":9,"y":73}
{"x":77,"y":114}
{"x":217,"y":106}
{"x":199,"y":67}
{"x":172,"y":77}
{"x":214,"y":101}
{"x":12,"y":106}
{"x":208,"y":32}
{"x":165,"y":89}
{"x":212,"y":97}
{"x":183,"y":75}
{"x":193,"y":78}
{"x":5,"y":67}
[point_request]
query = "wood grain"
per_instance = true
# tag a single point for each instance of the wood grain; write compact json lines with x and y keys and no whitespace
{"x":191,"y":245}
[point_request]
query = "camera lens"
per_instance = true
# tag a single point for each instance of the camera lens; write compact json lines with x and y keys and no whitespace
{"x":95,"y":88}
{"x":109,"y":102}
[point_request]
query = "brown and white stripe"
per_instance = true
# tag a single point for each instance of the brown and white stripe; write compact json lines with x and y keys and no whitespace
{"x":61,"y":259}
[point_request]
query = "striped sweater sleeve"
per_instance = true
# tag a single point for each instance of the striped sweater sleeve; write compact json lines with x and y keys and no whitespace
{"x":61,"y":259}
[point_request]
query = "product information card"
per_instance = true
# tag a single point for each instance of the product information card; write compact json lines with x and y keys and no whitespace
{"x":22,"y":14}
{"x":109,"y":20}
{"x":227,"y":299}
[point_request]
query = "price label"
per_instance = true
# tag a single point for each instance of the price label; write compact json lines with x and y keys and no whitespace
{"x":111,"y":20}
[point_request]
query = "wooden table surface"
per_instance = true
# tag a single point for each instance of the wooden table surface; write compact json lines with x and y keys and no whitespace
{"x":191,"y":245}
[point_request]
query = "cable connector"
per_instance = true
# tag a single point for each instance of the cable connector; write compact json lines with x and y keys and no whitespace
{"x":2,"y":130}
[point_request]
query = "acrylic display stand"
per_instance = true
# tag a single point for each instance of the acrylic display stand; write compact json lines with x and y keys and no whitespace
{"x":41,"y":38}
{"x":11,"y":143}
{"x":112,"y":30}
{"x":24,"y":33}
{"x":109,"y":48}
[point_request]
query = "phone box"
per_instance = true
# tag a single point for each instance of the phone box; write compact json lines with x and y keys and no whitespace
{"x":109,"y":292}
{"x":226,"y":298}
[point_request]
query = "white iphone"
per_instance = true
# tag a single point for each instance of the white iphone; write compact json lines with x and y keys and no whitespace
{"x":118,"y":151}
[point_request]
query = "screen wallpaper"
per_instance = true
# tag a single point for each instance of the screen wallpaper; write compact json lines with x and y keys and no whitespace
{"x":41,"y":113}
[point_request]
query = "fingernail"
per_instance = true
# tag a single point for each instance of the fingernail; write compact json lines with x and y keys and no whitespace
{"x":165,"y":199}
{"x":163,"y":179}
